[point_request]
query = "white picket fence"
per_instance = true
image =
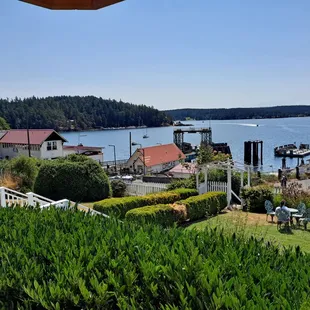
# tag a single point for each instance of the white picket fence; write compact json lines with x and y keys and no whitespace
{"x":9,"y":197}
{"x":141,"y":189}
{"x":213,"y":186}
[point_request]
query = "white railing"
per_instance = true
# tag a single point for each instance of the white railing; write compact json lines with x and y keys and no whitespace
{"x":141,"y":189}
{"x":8,"y":197}
{"x":34,"y":199}
{"x":213,"y":186}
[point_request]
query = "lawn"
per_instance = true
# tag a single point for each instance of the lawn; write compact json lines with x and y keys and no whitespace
{"x":252,"y":224}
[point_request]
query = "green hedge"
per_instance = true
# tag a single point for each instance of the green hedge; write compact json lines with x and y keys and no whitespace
{"x":204,"y":205}
{"x":194,"y":208}
{"x":120,"y":206}
{"x":76,"y":177}
{"x":164,"y":215}
{"x":255,"y":198}
{"x":53,"y":259}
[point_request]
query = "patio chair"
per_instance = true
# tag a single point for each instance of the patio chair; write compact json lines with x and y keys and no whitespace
{"x":283,"y":218}
{"x":269,"y":209}
{"x":306,"y":218}
{"x":301,"y":211}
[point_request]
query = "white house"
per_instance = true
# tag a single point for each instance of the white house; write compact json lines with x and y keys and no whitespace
{"x":44,"y":143}
{"x":155,"y":159}
{"x":93,"y":152}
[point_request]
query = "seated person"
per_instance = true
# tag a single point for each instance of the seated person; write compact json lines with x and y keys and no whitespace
{"x":283,"y":207}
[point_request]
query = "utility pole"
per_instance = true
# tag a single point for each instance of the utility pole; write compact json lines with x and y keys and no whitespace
{"x":130,"y":149}
{"x":28,"y":137}
{"x":112,"y":145}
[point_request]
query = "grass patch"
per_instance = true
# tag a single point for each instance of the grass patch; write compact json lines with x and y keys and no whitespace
{"x":252,"y":224}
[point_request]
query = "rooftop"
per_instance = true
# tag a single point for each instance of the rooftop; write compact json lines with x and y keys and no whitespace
{"x":160,"y":154}
{"x":36,"y":136}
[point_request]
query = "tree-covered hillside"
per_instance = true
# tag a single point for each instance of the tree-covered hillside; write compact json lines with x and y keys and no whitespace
{"x":240,"y":113}
{"x":66,"y":112}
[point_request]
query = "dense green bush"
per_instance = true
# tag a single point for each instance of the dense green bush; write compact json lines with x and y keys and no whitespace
{"x":164,"y":215}
{"x":120,"y":206}
{"x":204,"y":205}
{"x":118,"y":188}
{"x":76,"y":177}
{"x":255,"y":198}
{"x":25,"y":169}
{"x":70,"y":260}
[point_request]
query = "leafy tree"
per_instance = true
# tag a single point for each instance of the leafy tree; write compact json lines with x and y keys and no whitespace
{"x":25,"y":169}
{"x":205,"y":155}
{"x":75,"y":177}
{"x":3,"y":124}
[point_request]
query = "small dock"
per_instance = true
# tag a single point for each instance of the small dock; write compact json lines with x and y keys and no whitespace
{"x":291,"y":151}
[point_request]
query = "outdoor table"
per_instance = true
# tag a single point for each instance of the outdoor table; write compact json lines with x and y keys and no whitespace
{"x":292,"y":210}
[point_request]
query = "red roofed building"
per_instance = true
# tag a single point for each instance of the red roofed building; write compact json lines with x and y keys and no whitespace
{"x":44,"y":143}
{"x":155,"y":159}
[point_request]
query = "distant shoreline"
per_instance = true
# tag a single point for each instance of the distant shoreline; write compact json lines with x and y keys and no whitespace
{"x":192,"y":120}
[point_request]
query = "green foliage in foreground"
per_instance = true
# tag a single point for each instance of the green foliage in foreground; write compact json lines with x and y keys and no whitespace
{"x":71,"y":260}
{"x":164,"y":215}
{"x":120,"y":206}
{"x":75,"y":177}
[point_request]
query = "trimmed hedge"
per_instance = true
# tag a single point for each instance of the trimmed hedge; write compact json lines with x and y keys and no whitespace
{"x":193,"y":208}
{"x":204,"y":205}
{"x":120,"y":206}
{"x":164,"y":215}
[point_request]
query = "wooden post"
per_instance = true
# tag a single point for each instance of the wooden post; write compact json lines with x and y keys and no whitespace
{"x":228,"y":183}
{"x":2,"y":197}
{"x":197,"y":180}
{"x":206,"y":179}
{"x":249,"y":176}
{"x":242,"y":177}
{"x":30,"y":199}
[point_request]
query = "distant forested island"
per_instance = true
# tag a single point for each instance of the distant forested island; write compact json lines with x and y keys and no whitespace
{"x":78,"y":113}
{"x":240,"y":113}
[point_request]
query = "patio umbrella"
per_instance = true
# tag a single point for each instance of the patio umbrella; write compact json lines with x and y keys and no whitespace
{"x":72,"y":4}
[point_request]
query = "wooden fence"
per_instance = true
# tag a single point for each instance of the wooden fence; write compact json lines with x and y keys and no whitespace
{"x":141,"y":189}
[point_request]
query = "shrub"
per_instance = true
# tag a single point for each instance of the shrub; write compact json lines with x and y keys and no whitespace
{"x":120,"y":206}
{"x":164,"y":215}
{"x":8,"y":181}
{"x":204,"y":205}
{"x":25,"y":170}
{"x":118,"y":188}
{"x":77,"y":178}
{"x":293,"y":195}
{"x":54,"y":259}
{"x":255,"y":198}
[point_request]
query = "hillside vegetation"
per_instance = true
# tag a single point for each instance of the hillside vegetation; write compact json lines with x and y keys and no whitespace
{"x":239,"y":113}
{"x":78,"y":113}
{"x":54,"y":259}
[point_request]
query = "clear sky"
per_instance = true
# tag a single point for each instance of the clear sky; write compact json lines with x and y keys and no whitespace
{"x":165,"y":53}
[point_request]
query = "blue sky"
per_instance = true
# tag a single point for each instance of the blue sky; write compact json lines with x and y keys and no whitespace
{"x":164,"y":53}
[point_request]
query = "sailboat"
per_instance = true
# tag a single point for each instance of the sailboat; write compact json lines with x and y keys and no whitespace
{"x":145,"y":136}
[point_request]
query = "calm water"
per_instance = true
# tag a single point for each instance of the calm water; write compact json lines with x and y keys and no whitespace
{"x":272,"y":132}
